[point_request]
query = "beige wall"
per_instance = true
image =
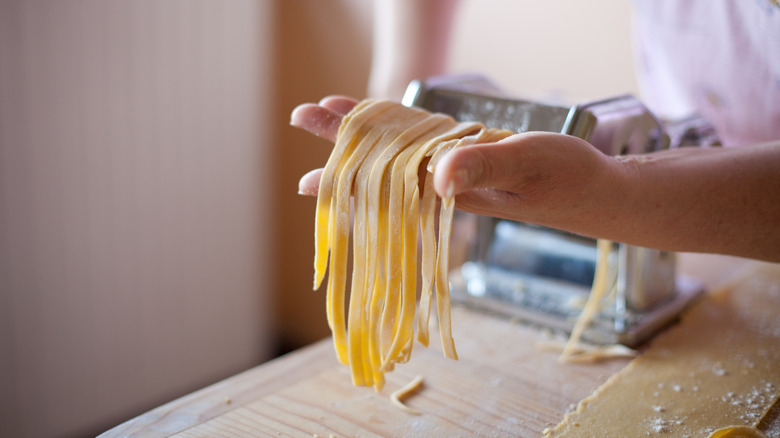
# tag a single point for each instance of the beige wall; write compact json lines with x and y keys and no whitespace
{"x":135,"y":184}
{"x":323,"y":48}
{"x":563,"y":50}
{"x":151,"y":237}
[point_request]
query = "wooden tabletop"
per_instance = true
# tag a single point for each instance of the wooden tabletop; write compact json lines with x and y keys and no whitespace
{"x":503,"y":385}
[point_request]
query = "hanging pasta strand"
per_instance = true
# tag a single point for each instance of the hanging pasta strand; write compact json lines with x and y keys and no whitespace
{"x":445,"y":231}
{"x":347,"y":139}
{"x":364,"y":359}
{"x":378,"y":153}
{"x":408,"y":163}
{"x":376,"y":229}
{"x":332,"y":216}
{"x":379,"y":150}
{"x":592,"y":305}
{"x":428,"y":261}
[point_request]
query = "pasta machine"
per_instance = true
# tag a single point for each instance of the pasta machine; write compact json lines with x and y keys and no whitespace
{"x":543,"y":276}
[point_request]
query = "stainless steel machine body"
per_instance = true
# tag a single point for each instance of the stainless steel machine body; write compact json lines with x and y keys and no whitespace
{"x":543,"y":275}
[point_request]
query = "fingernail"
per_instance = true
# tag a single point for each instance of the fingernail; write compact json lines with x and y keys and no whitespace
{"x":294,"y":116}
{"x":459,"y":180}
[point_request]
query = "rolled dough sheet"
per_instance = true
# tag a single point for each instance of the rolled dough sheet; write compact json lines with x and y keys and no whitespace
{"x":720,"y":366}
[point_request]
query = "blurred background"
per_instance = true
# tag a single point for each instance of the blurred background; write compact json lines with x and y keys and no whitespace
{"x":151,"y":238}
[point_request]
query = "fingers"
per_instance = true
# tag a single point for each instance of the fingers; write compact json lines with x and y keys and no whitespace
{"x":323,"y":119}
{"x":339,"y":104}
{"x":493,"y":165}
{"x":316,"y":119}
{"x":309,"y":184}
{"x":522,"y":164}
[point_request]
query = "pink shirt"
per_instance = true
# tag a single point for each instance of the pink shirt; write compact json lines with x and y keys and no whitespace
{"x":716,"y":58}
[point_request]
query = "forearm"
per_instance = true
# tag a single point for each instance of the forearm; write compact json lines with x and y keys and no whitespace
{"x":721,"y":200}
{"x":410,"y":42}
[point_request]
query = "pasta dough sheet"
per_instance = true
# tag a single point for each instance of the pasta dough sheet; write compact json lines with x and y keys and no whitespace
{"x":719,"y":367}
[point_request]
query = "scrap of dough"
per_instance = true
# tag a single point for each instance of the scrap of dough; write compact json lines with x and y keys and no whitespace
{"x":717,"y":368}
{"x":737,"y":432}
{"x":397,"y":396}
{"x":587,"y":353}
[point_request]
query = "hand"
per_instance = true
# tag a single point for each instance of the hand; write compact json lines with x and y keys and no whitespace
{"x":540,"y":177}
{"x":720,"y":200}
{"x":323,"y":120}
{"x":537,"y":177}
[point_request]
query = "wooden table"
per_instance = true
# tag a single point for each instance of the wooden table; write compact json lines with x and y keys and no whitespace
{"x":501,"y":386}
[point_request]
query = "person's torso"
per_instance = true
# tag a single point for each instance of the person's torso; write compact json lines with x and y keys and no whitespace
{"x":718,"y":59}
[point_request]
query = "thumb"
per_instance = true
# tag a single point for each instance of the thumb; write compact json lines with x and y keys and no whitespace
{"x":502,"y":165}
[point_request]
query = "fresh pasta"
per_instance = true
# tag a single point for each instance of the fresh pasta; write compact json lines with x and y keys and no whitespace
{"x":593,"y":305}
{"x":397,"y":396}
{"x":380,"y":148}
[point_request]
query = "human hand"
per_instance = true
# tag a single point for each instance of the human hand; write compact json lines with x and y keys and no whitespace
{"x":545,"y":178}
{"x":323,"y":120}
{"x":690,"y":199}
{"x":540,"y":177}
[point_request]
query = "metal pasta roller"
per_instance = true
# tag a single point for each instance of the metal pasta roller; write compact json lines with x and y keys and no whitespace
{"x":542,"y":275}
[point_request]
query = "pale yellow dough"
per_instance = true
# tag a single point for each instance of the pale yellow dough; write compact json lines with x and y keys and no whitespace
{"x":718,"y":368}
{"x":396,"y":398}
{"x":380,"y":148}
{"x":738,"y":432}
